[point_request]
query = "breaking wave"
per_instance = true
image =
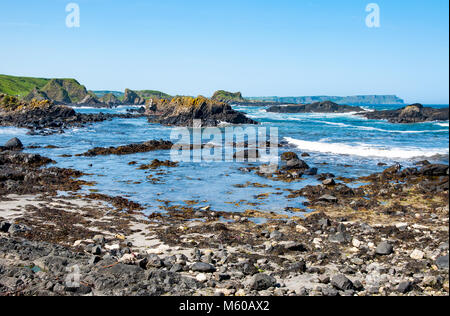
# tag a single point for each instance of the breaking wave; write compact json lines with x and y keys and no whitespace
{"x":364,"y":150}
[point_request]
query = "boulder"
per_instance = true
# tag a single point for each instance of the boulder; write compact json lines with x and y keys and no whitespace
{"x":329,"y":182}
{"x":289,"y":156}
{"x":296,"y":164}
{"x":262,"y":282}
{"x":341,"y":282}
{"x":328,"y":198}
{"x":14,"y":144}
{"x":384,"y":249}
{"x":442,"y":262}
{"x":203,"y":267}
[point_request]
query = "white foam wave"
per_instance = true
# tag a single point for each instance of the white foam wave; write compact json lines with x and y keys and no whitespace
{"x":364,"y":150}
{"x":369,"y":128}
{"x":13,"y":131}
{"x":443,"y":124}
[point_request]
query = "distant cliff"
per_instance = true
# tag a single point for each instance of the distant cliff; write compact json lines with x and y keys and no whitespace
{"x":357,"y":100}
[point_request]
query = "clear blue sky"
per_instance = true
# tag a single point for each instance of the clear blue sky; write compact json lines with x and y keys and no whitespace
{"x":259,"y":47}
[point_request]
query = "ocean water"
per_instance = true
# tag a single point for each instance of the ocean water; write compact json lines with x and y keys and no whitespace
{"x":343,"y":144}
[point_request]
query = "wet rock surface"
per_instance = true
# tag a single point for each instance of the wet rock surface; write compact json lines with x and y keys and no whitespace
{"x":151,"y":145}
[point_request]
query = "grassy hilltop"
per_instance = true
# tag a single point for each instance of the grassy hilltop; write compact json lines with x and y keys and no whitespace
{"x":20,"y":86}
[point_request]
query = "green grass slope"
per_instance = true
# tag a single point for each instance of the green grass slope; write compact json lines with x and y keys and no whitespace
{"x":20,"y":86}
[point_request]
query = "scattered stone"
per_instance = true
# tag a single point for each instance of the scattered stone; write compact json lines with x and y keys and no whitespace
{"x":276,"y":235}
{"x":203,"y":267}
{"x":17,"y":229}
{"x":328,"y":198}
{"x":295,"y":246}
{"x":262,"y":282}
{"x":4,"y":227}
{"x":96,"y":250}
{"x":341,"y":282}
{"x":329,"y":182}
{"x":417,"y":255}
{"x":99,"y":239}
{"x":404,"y":287}
{"x":94,"y":260}
{"x":384,"y":249}
{"x":442,"y":262}
{"x":202,"y":277}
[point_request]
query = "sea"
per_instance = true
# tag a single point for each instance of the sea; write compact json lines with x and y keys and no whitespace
{"x":346,"y":145}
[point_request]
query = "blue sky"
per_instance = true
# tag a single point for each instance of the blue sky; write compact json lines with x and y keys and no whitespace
{"x":284,"y":47}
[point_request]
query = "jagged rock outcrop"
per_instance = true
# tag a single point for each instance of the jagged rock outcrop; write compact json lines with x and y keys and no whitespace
{"x":228,"y":97}
{"x":37,"y":95}
{"x":132,"y":98}
{"x":182,"y":111}
{"x":414,"y":113}
{"x":91,"y":100}
{"x":110,"y":100}
{"x":318,"y":107}
{"x":66,"y":91}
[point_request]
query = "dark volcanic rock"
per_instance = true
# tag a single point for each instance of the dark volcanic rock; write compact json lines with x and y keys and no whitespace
{"x":262,"y":282}
{"x":203,"y":267}
{"x":318,"y":107}
{"x":415,"y":113}
{"x":130,"y":149}
{"x":435,"y":170}
{"x":13,"y":144}
{"x":341,"y":282}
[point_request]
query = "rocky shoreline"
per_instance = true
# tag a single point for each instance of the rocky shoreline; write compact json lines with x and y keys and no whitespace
{"x":45,"y":117}
{"x":386,"y":236}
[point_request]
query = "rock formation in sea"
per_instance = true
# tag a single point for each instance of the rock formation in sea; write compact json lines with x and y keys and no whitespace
{"x":414,"y":113}
{"x":91,"y":100}
{"x":132,"y":98}
{"x":110,"y":100}
{"x":318,"y":107}
{"x":181,"y":111}
{"x":228,"y":97}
